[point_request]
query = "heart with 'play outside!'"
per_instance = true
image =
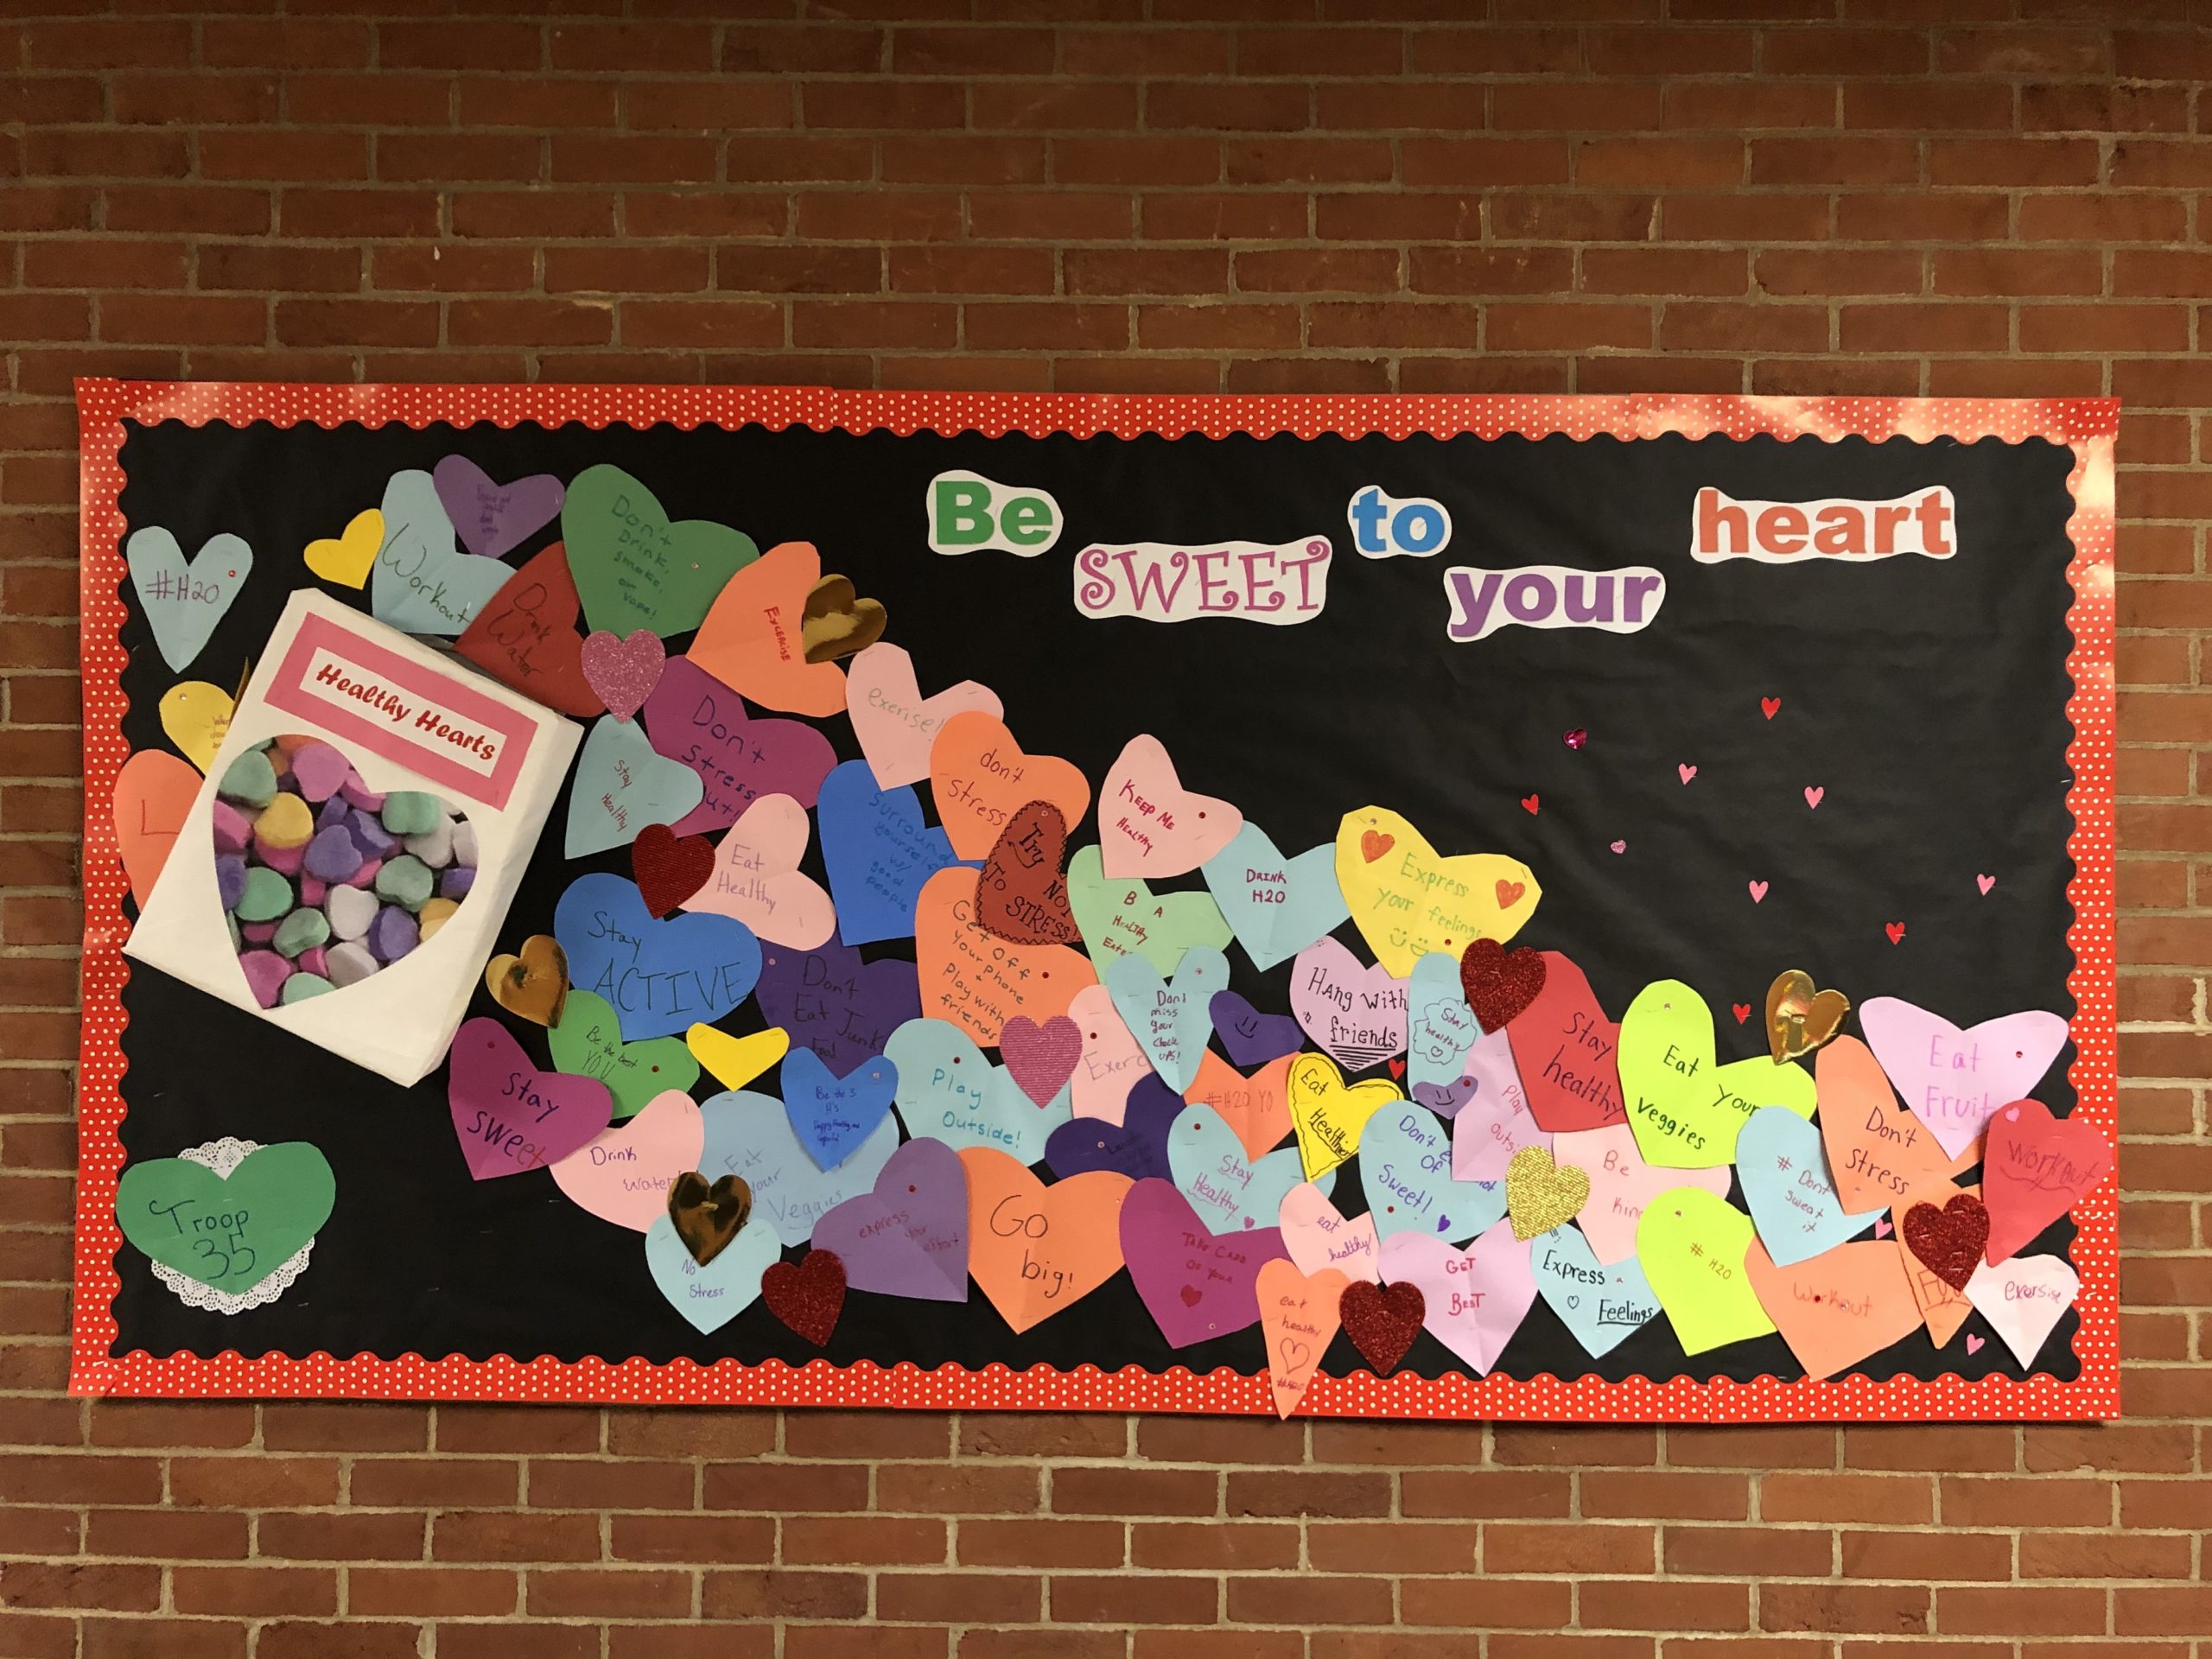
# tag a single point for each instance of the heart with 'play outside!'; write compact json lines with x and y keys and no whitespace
{"x":621,"y":671}
{"x":709,"y":1297}
{"x":1149,"y":824}
{"x":1692,"y":1244}
{"x":1111,"y":1062}
{"x":807,"y":1295}
{"x":698,"y":722}
{"x":1500,"y":984}
{"x":587,"y":1042}
{"x":1954,"y":1081}
{"x":153,"y":790}
{"x":659,"y":976}
{"x":1252,"y":1037}
{"x":2023,"y":1299}
{"x":1784,"y":1172}
{"x":1491,"y":1128}
{"x":229,"y":1233}
{"x":510,"y":1116}
{"x":422,"y":581}
{"x":1601,"y":1306}
{"x":1135,"y":1144}
{"x":1330,"y":1114}
{"x":184,"y":599}
{"x":1298,"y":1318}
{"x":1542,"y":1195}
{"x":525,"y":635}
{"x":1256,"y":1107}
{"x":621,"y":786}
{"x":832,"y":1115}
{"x":756,"y":877}
{"x":1473,"y":1298}
{"x":1840,"y":1306}
{"x":907,"y":1236}
{"x":1567,"y":1052}
{"x":947,"y":1089}
{"x":669,"y":869}
{"x":1879,"y":1153}
{"x":1382,"y":1321}
{"x":531,"y":984}
{"x":878,"y":853}
{"x":1276,"y":906}
{"x":836,"y":622}
{"x":623,"y":1174}
{"x":893,"y":722}
{"x":1441,"y":1028}
{"x":1354,"y":1010}
{"x":831,"y":1001}
{"x":197,"y":717}
{"x":1127,"y":918}
{"x":1685,"y":1109}
{"x":1169,"y":1019}
{"x":979,"y":982}
{"x":752,"y":639}
{"x":1041,"y":1058}
{"x":1316,"y":1235}
{"x":346,"y":557}
{"x":1409,"y":899}
{"x":1231,"y":1192}
{"x":1196,"y":1284}
{"x":1020,"y":894}
{"x":1405,"y":1170}
{"x":493,"y":518}
{"x":980,"y":777}
{"x":733,"y":1061}
{"x":750,"y":1135}
{"x":2035,"y":1168}
{"x":1036,"y":1250}
{"x":634,"y":567}
{"x":707,"y":1215}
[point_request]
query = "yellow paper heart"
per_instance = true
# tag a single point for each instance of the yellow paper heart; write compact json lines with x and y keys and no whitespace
{"x":735,"y":1061}
{"x":1692,"y":1246}
{"x":1407,"y":900}
{"x":197,"y":717}
{"x":1686,"y":1109}
{"x":346,"y":560}
{"x":1540,"y":1194}
{"x":1330,"y":1114}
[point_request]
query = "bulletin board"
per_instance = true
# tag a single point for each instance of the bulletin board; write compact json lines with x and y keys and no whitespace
{"x":1540,"y":907}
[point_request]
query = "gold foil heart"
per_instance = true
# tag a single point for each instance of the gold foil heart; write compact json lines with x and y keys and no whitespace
{"x":1798,"y":1018}
{"x":533,"y":986}
{"x":1540,"y":1194}
{"x":707,"y":1217}
{"x":836,"y":623}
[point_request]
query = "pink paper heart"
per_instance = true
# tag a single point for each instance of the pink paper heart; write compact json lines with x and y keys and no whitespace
{"x":1814,"y":794}
{"x":1686,"y":771}
{"x":2022,"y":1298}
{"x":2035,"y":1168}
{"x":1984,"y":882}
{"x":894,"y":722}
{"x":509,"y":1115}
{"x":756,"y":877}
{"x":1882,"y":1229}
{"x":623,"y":1176}
{"x":1357,"y":1012}
{"x":1953,"y":1080}
{"x":1112,"y":1059}
{"x":1474,"y":1299}
{"x":1621,"y":1183}
{"x":1758,"y":891}
{"x":1041,"y":1058}
{"x":1620,"y":845}
{"x":1494,"y":1125}
{"x":1973,"y":1344}
{"x":1318,"y":1237}
{"x":1149,"y":825}
{"x":624,"y":671}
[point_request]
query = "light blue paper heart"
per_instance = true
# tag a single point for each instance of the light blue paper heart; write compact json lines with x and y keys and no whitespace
{"x":1231,"y":1192}
{"x":711,"y":1297}
{"x":422,"y":581}
{"x":1440,"y":1028}
{"x":878,"y":852}
{"x":1601,"y":1306}
{"x":831,"y":1114}
{"x":749,"y":1136}
{"x":623,"y":783}
{"x":183,"y":602}
{"x":950,"y":1092}
{"x":1784,"y":1169}
{"x":1170,"y":1020}
{"x":1405,"y":1170}
{"x":660,"y":977}
{"x":1276,"y":907}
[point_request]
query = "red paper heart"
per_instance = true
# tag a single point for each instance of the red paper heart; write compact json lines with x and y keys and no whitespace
{"x":1950,"y":1240}
{"x":668,"y":870}
{"x":808,"y":1296}
{"x":1382,"y":1321}
{"x":1375,"y":844}
{"x":1895,"y":930}
{"x":1021,"y":895}
{"x":1531,"y":803}
{"x":1397,"y":1068}
{"x":2035,"y":1168}
{"x":526,"y":635}
{"x":1499,"y":983}
{"x":1741,"y":1010}
{"x":1770,"y":707}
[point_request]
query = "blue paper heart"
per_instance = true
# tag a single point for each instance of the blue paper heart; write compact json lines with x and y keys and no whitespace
{"x":659,"y":977}
{"x":829,"y":1000}
{"x":878,"y":853}
{"x":423,"y":583}
{"x":749,"y":1136}
{"x":1252,"y":1037}
{"x":832,"y":1114}
{"x":1275,"y":906}
{"x":1405,"y":1170}
{"x":1602,"y":1307}
{"x":1137,"y":1147}
{"x":1440,"y":1027}
{"x":183,"y":602}
{"x":1785,"y":1170}
{"x":623,"y":783}
{"x":711,"y":1297}
{"x":1232,"y":1193}
{"x":1169,"y":1019}
{"x":949,"y":1092}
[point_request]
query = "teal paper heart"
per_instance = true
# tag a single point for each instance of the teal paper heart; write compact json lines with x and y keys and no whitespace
{"x":1601,"y":1306}
{"x":1120,"y":918}
{"x":1440,"y":1028}
{"x":711,"y":1297}
{"x":948,"y":1091}
{"x":230,"y":1234}
{"x":422,"y":581}
{"x":587,"y":1043}
{"x":1170,"y":1020}
{"x":1276,"y":907}
{"x":1783,"y":1165}
{"x":184,"y":602}
{"x":1405,"y":1169}
{"x":633,"y":568}
{"x":623,"y":783}
{"x":749,"y":1136}
{"x":1232,"y":1193}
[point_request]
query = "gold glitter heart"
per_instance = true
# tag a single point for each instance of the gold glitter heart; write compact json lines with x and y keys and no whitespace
{"x":1540,"y":1194}
{"x":533,"y":986}
{"x":836,"y":623}
{"x":1798,"y":1018}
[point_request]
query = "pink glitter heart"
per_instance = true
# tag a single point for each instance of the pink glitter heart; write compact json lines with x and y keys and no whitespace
{"x":1041,"y":1058}
{"x":1577,"y":738}
{"x":624,"y":671}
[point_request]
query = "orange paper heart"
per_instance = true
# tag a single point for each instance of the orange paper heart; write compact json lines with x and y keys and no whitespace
{"x":1836,"y":1308}
{"x":1880,"y":1153}
{"x":980,"y":777}
{"x":979,"y":982}
{"x":1037,"y":1249}
{"x":153,"y":791}
{"x":753,"y":640}
{"x":1257,"y":1108}
{"x":1298,"y":1317}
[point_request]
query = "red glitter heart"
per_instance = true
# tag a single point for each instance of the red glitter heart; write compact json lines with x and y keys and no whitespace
{"x":1499,"y":983}
{"x":1382,"y":1321}
{"x":1950,"y":1240}
{"x":669,"y":871}
{"x":1577,"y":738}
{"x":807,"y":1295}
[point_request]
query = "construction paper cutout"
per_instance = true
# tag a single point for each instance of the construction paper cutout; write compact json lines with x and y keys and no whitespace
{"x":980,"y":777}
{"x":1685,"y":1110}
{"x":1170,"y":1020}
{"x":1495,"y":1123}
{"x":1500,"y":984}
{"x":836,"y":622}
{"x":153,"y":790}
{"x":346,"y":558}
{"x":753,"y":641}
{"x":532,"y":985}
{"x":1947,"y":1239}
{"x":1250,"y":1037}
{"x":735,"y":1061}
{"x":756,"y":879}
{"x":197,"y":717}
{"x":907,"y":1236}
{"x":1298,"y":1320}
{"x":1127,"y":919}
{"x":1356,"y":1012}
{"x":1879,"y":1153}
{"x":832,"y":1115}
{"x":878,"y":853}
{"x":808,"y":1294}
{"x":700,"y":723}
{"x":1840,"y":1307}
{"x":494,"y":519}
{"x":1407,"y":899}
{"x":1021,"y":894}
{"x":1692,"y":1244}
{"x":1440,"y":1030}
{"x":1567,"y":1052}
{"x":1783,"y":1168}
{"x":1405,"y":1170}
{"x":831,"y":1001}
{"x":1473,"y":1299}
{"x":1800,"y":1019}
{"x":946,"y":1089}
{"x":228,"y":1232}
{"x":669,"y":869}
{"x":422,"y":581}
{"x":622,"y":672}
{"x":1541,"y":1195}
{"x":636,"y":569}
{"x":1942,"y":1307}
{"x":750,"y":1136}
{"x":895,"y":723}
{"x":659,"y":977}
{"x":1601,"y":1306}
{"x":1329,"y":1114}
{"x":1197,"y":1284}
{"x":2024,"y":1299}
{"x":1382,"y":1321}
{"x":587,"y":1042}
{"x":1231,"y":1190}
{"x":1955,"y":1080}
{"x":980,"y":982}
{"x":508,"y":1116}
{"x":1036,"y":1250}
{"x":709,"y":1297}
{"x":1256,"y":1107}
{"x":707,"y":1216}
{"x":1135,"y":1144}
{"x":1316,"y":1235}
{"x":1276,"y":906}
{"x":2035,"y":1168}
{"x":525,"y":635}
{"x":623,"y":1174}
{"x":184,"y":601}
{"x":620,"y":786}
{"x":1111,"y":1060}
{"x":1149,"y":825}
{"x":1041,"y":1058}
{"x":1621,"y":1184}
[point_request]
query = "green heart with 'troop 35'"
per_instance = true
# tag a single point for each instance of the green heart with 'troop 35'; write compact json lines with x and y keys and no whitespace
{"x":227,"y":1234}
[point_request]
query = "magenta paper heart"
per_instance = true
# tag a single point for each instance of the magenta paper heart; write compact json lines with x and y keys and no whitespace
{"x":1953,"y":1080}
{"x":1475,"y":1299}
{"x":1041,"y":1058}
{"x":624,"y":671}
{"x":909,"y":1236}
{"x":1357,"y":1013}
{"x":894,"y":722}
{"x":693,"y":718}
{"x":509,"y":1115}
{"x":494,"y":518}
{"x":1198,"y":1285}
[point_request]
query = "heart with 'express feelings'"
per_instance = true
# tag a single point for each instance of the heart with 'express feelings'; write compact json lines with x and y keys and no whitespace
{"x":1316,"y":1235}
{"x":669,"y":869}
{"x":154,"y":790}
{"x":1276,"y":906}
{"x":1600,"y":1306}
{"x":696,"y":720}
{"x":1149,"y":825}
{"x":947,"y":1089}
{"x":1840,"y":1307}
{"x":754,"y":639}
{"x":2035,"y":1168}
{"x":1329,"y":1114}
{"x":907,"y":1236}
{"x":196,"y":716}
{"x":1621,"y":1184}
{"x":1169,"y":1019}
{"x":1879,"y":1153}
{"x":1382,"y":1321}
{"x":621,"y":785}
{"x":1299,"y":1318}
{"x":227,"y":1232}
{"x":1489,"y":1130}
{"x":532,"y":984}
{"x":508,"y":1116}
{"x":1685,"y":1109}
{"x":1800,"y":1019}
{"x":707,"y":1216}
{"x":895,"y":723}
{"x":1252,"y":1037}
{"x":980,"y":777}
{"x":1500,"y":984}
{"x":878,"y":853}
{"x":346,"y":557}
{"x":623,"y":1173}
{"x":1356,"y":1012}
{"x":1473,"y":1298}
{"x":836,"y":622}
{"x":750,"y":1135}
{"x":1111,"y":1063}
{"x":622,"y":672}
{"x":1954,"y":1081}
{"x":755,"y":878}
{"x":1542,"y":1195}
{"x":1441,"y":1029}
{"x":1197,"y":1284}
{"x":1405,"y":1170}
{"x":1020,"y":894}
{"x":1256,"y":1107}
{"x":184,"y":599}
{"x":491,"y":519}
{"x":422,"y":581}
{"x":659,"y":977}
{"x":1041,"y":1058}
{"x":2022,"y":1298}
{"x":587,"y":1042}
{"x":979,"y":982}
{"x":525,"y":635}
{"x":733,"y":1061}
{"x":1125,"y":918}
{"x":709,"y":1297}
{"x":1692,"y":1244}
{"x":832,"y":1115}
{"x":634,"y":566}
{"x":808,"y":1294}
{"x":1567,"y":1052}
{"x":831,"y":1001}
{"x":1948,"y":1241}
{"x":1407,"y":900}
{"x":1231,"y":1190}
{"x":1783,"y":1169}
{"x":1135,"y":1144}
{"x":1036,"y":1250}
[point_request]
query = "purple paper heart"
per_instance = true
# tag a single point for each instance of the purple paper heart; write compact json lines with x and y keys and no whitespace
{"x":1137,"y":1147}
{"x":623,"y":671}
{"x":494,"y":518}
{"x":1252,"y":1037}
{"x":696,"y":721}
{"x":1446,"y":1098}
{"x":831,"y":1001}
{"x":509,"y":1115}
{"x":908,"y":1236}
{"x":1198,"y":1285}
{"x":1041,"y":1058}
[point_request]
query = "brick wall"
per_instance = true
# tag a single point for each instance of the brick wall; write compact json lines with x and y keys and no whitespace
{"x":1944,"y":196}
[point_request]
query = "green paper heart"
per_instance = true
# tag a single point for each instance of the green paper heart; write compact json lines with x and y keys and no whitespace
{"x":635,"y":570}
{"x":228,"y":1234}
{"x":587,"y":1043}
{"x":1692,"y":1245}
{"x":1127,"y":919}
{"x":1685,"y":1110}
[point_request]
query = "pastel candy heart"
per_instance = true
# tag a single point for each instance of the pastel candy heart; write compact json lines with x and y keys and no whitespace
{"x":1170,"y":1020}
{"x":749,"y":1136}
{"x":635,"y":568}
{"x":153,"y":790}
{"x":831,"y":1001}
{"x":620,"y":786}
{"x":1299,"y":1318}
{"x":1317,"y":1236}
{"x":1127,"y":919}
{"x":948,"y":1090}
{"x":1685,"y":1110}
{"x":510,"y":1116}
{"x":1231,"y":1192}
{"x":1329,"y":1114}
{"x":907,"y":1236}
{"x":709,"y":1297}
{"x":1567,"y":1052}
{"x":421,"y":583}
{"x":587,"y":1042}
{"x":525,"y":635}
{"x":832,"y":1115}
{"x":1954,"y":1081}
{"x":756,"y":878}
{"x":1784,"y":1172}
{"x":1037,"y":1251}
{"x":980,"y":777}
{"x":1041,"y":1058}
{"x":1405,"y":1170}
{"x":1252,"y":1037}
{"x":1879,"y":1153}
{"x":255,"y":1219}
{"x":184,"y":602}
{"x":623,"y":1174}
{"x":1692,"y":1245}
{"x":1474,"y":1299}
{"x":1621,"y":1184}
{"x":752,"y":638}
{"x":697,"y":721}
{"x":1256,"y":1107}
{"x":196,"y":716}
{"x":878,"y":853}
{"x":977,"y":981}
{"x":1356,"y":1012}
{"x":1276,"y":906}
{"x":1149,"y":824}
{"x":492,"y":518}
{"x":1440,"y":1028}
{"x":1134,"y":1145}
{"x":2035,"y":1169}
{"x":1110,"y":1060}
{"x":1838,"y":1308}
{"x":1197,"y":1284}
{"x":623,"y":671}
{"x":1601,"y":1306}
{"x":895,"y":723}
{"x":1407,"y":900}
{"x":346,"y":558}
{"x":659,"y":976}
{"x":1495,"y":1124}
{"x":2022,"y":1298}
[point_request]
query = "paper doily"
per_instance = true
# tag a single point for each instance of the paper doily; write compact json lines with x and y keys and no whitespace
{"x":223,"y":1156}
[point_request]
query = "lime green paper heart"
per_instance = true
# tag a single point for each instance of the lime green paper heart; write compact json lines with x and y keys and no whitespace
{"x":1127,"y":919}
{"x":1685,"y":1110}
{"x":635,"y":570}
{"x":228,"y":1234}
{"x":587,"y":1043}
{"x":1692,"y":1244}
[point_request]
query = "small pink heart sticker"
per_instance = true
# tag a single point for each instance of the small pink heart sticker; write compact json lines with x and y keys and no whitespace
{"x":1984,"y":882}
{"x":1814,"y":794}
{"x":1759,"y":890}
{"x":1620,"y":845}
{"x":1973,"y":1342}
{"x":1686,"y":771}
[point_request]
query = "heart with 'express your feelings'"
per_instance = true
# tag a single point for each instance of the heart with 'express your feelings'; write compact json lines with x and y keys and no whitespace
{"x":980,"y":777}
{"x":1783,"y":1170}
{"x":1126,"y":918}
{"x":525,"y":636}
{"x":831,"y":1001}
{"x":1150,"y":825}
{"x":623,"y":1174}
{"x":1685,"y":1109}
{"x":750,"y":1135}
{"x":621,"y":785}
{"x":1041,"y":1058}
{"x":1602,"y":1307}
{"x":1036,"y":1250}
{"x":668,"y":867}
{"x":184,"y":599}
{"x":1879,"y":1153}
{"x":1405,"y":1170}
{"x":510,"y":1116}
{"x":1475,"y":1298}
{"x":1949,"y":1242}
{"x":422,"y":581}
{"x":907,"y":1236}
{"x":878,"y":853}
{"x":1135,"y":1144}
{"x":753,"y":877}
{"x":659,"y":977}
{"x":587,"y":1042}
{"x":1356,"y":1011}
{"x":1197,"y":1284}
{"x":1329,"y":1114}
{"x":1112,"y":1061}
{"x":531,"y":984}
{"x":1257,"y":1106}
{"x":1382,"y":1321}
{"x":1170,"y":1019}
{"x":706,"y":1216}
{"x":1500,"y":984}
{"x":227,"y":1232}
{"x":1250,"y":1037}
{"x":493,"y":518}
{"x":697,"y":721}
{"x":945,"y":1088}
{"x":1800,"y":1019}
{"x":1955,"y":1080}
{"x":635,"y":568}
{"x":1621,"y":1184}
{"x":622,"y":672}
{"x":832,"y":1115}
{"x":979,"y":982}
{"x":1567,"y":1052}
{"x":1021,"y":895}
{"x":2034,"y":1169}
{"x":154,"y":790}
{"x":1541,"y":1194}
{"x":895,"y":724}
{"x":808,"y":1294}
{"x":753,"y":639}
{"x":708,"y":1297}
{"x":1231,"y":1190}
{"x":1692,"y":1244}
{"x":1299,"y":1318}
{"x":1276,"y":906}
{"x":1316,"y":1235}
{"x":346,"y":557}
{"x":733,"y":1061}
{"x":836,"y":622}
{"x":1840,"y":1307}
{"x":1410,"y":899}
{"x":197,"y":717}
